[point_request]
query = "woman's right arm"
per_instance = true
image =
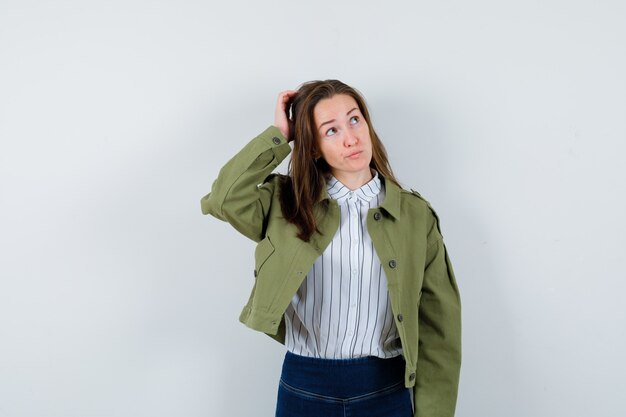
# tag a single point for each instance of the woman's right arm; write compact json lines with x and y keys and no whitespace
{"x":240,"y":194}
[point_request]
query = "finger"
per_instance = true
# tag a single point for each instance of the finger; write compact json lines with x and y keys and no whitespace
{"x":285,"y":95}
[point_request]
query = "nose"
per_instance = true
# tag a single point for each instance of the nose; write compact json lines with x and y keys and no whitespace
{"x":350,"y":138}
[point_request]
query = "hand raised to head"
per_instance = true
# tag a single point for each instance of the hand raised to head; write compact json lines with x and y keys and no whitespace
{"x":281,"y":114}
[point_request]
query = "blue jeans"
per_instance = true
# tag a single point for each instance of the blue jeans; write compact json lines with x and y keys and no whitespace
{"x":361,"y":387}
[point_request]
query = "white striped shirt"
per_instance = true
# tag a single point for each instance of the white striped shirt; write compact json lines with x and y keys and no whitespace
{"x":342,"y":308}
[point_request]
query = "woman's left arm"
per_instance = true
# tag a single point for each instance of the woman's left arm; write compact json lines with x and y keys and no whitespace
{"x":439,"y":357}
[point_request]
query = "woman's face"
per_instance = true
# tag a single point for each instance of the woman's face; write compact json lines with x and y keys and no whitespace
{"x":343,"y":138}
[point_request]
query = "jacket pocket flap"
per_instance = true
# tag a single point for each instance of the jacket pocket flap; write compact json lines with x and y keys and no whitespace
{"x":263,"y":251}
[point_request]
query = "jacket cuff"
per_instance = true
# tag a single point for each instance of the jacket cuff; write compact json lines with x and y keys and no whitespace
{"x":276,"y":141}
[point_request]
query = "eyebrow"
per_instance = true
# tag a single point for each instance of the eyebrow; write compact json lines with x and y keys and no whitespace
{"x":333,"y":120}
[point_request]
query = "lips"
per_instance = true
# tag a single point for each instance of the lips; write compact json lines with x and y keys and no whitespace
{"x":354,"y":154}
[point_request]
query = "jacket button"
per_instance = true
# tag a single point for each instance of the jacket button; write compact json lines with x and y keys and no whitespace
{"x":255,"y":273}
{"x":276,"y":140}
{"x":377,"y":216}
{"x":400,"y":317}
{"x":412,"y":376}
{"x":392,"y":263}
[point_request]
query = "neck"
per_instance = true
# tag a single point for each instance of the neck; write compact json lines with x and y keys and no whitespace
{"x":355,"y":180}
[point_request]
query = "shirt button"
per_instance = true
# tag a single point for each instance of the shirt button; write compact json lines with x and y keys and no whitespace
{"x":400,"y":318}
{"x":354,"y":271}
{"x":412,"y":376}
{"x":276,"y":140}
{"x":392,"y":263}
{"x":377,"y":216}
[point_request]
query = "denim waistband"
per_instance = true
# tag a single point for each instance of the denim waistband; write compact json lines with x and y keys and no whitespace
{"x":342,"y":378}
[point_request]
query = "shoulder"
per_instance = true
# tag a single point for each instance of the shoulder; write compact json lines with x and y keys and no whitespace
{"x":413,"y":197}
{"x":276,"y":178}
{"x":418,"y":201}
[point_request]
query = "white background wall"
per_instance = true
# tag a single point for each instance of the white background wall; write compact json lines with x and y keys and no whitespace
{"x":118,"y":298}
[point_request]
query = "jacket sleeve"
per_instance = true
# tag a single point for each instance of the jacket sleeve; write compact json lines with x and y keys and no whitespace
{"x":239,"y":194}
{"x":439,"y":349}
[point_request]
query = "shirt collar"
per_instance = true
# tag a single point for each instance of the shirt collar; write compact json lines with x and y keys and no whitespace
{"x":391,"y":203}
{"x":338,"y":191}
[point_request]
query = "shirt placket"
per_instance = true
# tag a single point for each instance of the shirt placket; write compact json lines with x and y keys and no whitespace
{"x":355,"y":273}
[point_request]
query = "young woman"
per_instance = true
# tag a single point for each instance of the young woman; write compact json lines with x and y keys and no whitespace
{"x":351,"y":272}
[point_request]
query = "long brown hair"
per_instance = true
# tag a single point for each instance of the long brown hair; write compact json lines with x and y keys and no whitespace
{"x":308,"y":170}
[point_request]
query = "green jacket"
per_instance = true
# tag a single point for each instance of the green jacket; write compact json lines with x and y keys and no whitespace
{"x":407,"y":238}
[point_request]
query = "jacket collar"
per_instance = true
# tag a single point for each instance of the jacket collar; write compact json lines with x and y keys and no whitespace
{"x":391,"y":203}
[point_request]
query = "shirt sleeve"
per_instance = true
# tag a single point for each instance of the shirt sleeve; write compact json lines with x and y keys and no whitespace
{"x":439,"y":349}
{"x":239,"y":195}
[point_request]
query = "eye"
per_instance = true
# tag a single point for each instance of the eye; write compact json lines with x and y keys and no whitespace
{"x":354,"y":120}
{"x":331,"y":131}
